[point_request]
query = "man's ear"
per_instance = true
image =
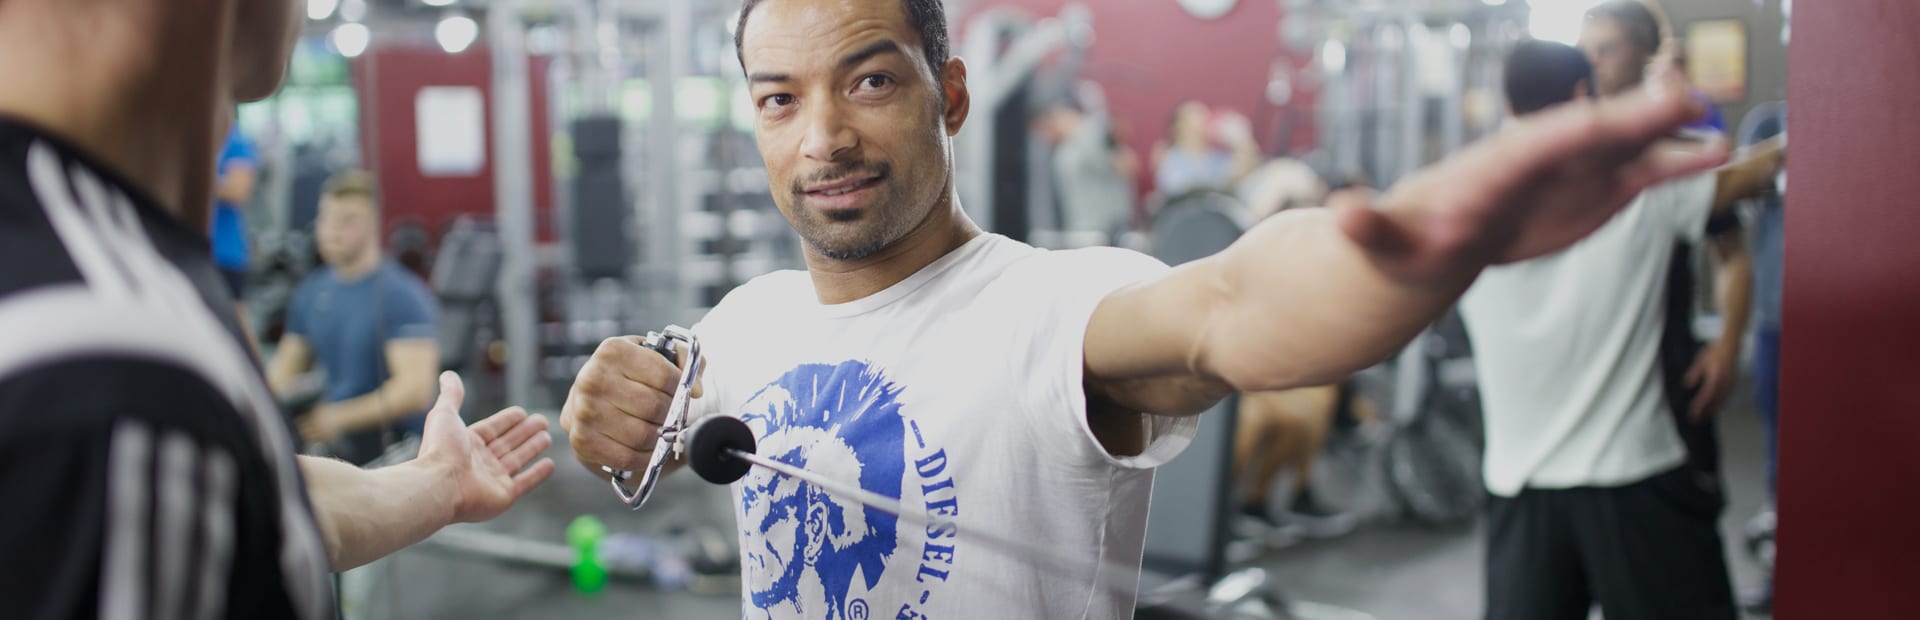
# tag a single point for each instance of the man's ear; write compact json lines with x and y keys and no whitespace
{"x":953,"y":86}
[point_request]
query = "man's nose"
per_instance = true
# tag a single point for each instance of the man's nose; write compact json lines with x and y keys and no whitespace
{"x":828,"y":136}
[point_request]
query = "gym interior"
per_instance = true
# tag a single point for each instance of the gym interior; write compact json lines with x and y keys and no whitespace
{"x":559,"y":173}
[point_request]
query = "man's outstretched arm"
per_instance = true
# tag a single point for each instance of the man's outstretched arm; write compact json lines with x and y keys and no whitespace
{"x":1309,"y":297}
{"x":464,"y":473}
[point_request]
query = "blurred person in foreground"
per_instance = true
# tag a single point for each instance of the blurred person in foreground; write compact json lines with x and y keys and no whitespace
{"x":145,"y":469}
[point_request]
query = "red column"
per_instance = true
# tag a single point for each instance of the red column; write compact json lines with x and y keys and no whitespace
{"x":1850,"y":397}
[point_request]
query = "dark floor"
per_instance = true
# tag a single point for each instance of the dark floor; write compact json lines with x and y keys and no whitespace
{"x":1387,"y":571}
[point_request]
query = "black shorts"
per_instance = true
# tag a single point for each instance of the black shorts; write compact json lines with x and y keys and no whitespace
{"x":1649,"y":550}
{"x":236,"y":280}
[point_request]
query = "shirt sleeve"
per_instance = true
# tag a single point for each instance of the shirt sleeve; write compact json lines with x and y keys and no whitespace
{"x":1686,"y":204}
{"x":412,"y":313}
{"x":1057,"y":294}
{"x":238,"y":150}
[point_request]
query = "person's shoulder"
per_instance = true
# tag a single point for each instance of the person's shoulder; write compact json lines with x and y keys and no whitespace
{"x":395,"y":274}
{"x":33,"y":252}
{"x":86,"y":392}
{"x":35,"y":256}
{"x":1092,"y":272}
{"x":1088,"y":262}
{"x":82,"y":357}
{"x":1685,"y":199}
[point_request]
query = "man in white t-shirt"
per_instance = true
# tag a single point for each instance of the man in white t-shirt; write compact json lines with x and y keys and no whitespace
{"x":1024,"y":393}
{"x":1592,"y":501}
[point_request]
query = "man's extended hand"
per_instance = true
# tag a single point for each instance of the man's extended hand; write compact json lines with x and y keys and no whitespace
{"x":480,"y":461}
{"x":1537,"y":187}
{"x":1712,"y":377}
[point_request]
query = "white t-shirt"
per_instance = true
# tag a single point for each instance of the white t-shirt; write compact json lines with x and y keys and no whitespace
{"x":958,"y":391}
{"x":1566,"y":347}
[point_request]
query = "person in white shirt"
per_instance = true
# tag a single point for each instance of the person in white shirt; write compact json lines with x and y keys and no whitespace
{"x":1024,"y":393}
{"x":1592,"y":498}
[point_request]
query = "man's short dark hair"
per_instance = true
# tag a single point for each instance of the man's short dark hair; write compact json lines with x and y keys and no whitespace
{"x":1544,"y":73}
{"x":1643,"y":23}
{"x":352,"y":184}
{"x":927,"y":16}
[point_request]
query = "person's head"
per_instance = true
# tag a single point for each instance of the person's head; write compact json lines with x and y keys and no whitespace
{"x":1056,"y":121}
{"x":1540,"y":74}
{"x":263,"y":35}
{"x":148,"y":86}
{"x":1620,"y":38}
{"x":841,"y":421}
{"x":242,"y":45}
{"x":857,"y":103}
{"x":1188,"y":128}
{"x":347,"y":229}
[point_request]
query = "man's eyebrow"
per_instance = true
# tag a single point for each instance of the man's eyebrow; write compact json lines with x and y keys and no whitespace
{"x":877,"y":48}
{"x":883,"y":46}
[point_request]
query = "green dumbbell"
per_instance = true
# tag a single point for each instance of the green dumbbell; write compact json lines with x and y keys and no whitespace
{"x":584,"y":535}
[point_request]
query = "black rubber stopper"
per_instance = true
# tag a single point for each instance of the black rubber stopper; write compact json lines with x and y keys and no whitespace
{"x":707,"y":443}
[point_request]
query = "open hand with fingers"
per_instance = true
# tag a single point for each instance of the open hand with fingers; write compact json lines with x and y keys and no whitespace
{"x":491,"y":463}
{"x":1538,"y":186}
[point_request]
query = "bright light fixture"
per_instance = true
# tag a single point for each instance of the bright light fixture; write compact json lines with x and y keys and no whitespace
{"x":321,"y":9}
{"x":1333,"y":57}
{"x":455,"y":33}
{"x":350,"y":39}
{"x":437,"y":2}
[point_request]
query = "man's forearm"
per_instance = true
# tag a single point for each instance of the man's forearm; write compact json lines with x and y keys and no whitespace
{"x":1749,"y":177}
{"x":397,"y":398}
{"x":365,"y":514}
{"x":1304,"y":305}
{"x":279,"y":379}
{"x":1733,"y":276}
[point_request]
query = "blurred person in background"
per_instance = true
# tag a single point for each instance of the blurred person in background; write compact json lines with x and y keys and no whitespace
{"x":1286,"y":431}
{"x":369,"y":323}
{"x":1595,"y":499}
{"x":1623,"y":39}
{"x":236,"y":174}
{"x":1091,"y":177}
{"x":1203,"y":151}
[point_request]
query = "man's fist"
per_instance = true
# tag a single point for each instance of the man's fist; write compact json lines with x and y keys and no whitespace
{"x":617,"y":403}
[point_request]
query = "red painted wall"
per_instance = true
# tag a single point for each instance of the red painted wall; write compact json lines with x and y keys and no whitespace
{"x":388,"y":79}
{"x":1850,"y":395}
{"x":1151,"y":56}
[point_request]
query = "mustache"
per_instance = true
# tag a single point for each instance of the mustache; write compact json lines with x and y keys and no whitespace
{"x":843,"y":171}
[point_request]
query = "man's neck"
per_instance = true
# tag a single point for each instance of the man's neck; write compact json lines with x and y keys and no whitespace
{"x":149,"y":113}
{"x":349,"y":271}
{"x":945,"y":230}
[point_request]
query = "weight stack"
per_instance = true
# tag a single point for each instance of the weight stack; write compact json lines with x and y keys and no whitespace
{"x":602,"y":246}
